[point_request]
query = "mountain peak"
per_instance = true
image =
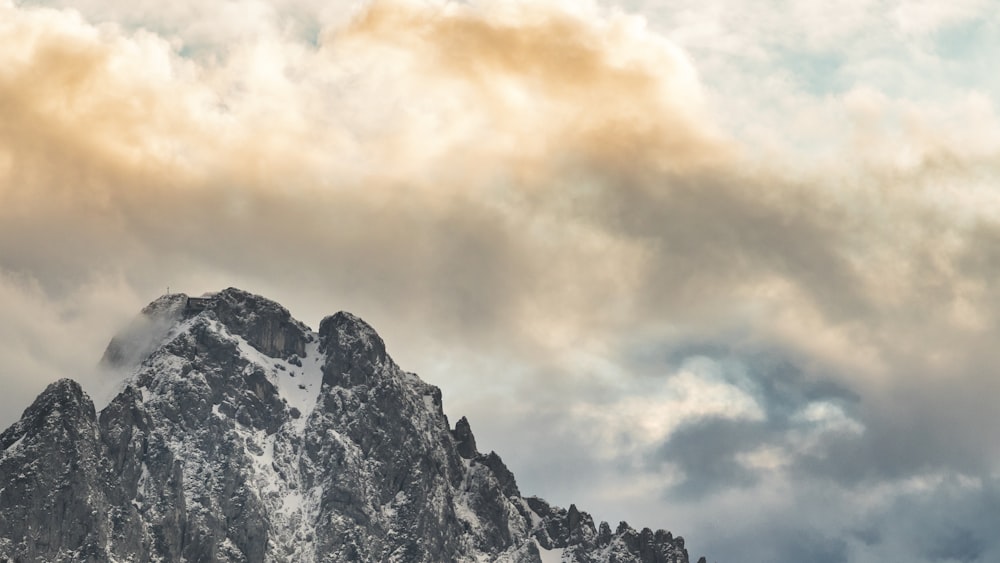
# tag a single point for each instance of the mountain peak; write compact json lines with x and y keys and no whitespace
{"x":346,"y":330}
{"x":265,"y":324}
{"x":464,"y":439}
{"x":168,"y":304}
{"x":241,"y":435}
{"x":355,"y":352}
{"x":64,"y":397}
{"x":62,"y":403}
{"x":145,"y":332}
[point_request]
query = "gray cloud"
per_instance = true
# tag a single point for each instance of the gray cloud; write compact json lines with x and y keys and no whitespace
{"x":808,"y":545}
{"x":711,"y":451}
{"x":706,"y":452}
{"x":539,"y":209}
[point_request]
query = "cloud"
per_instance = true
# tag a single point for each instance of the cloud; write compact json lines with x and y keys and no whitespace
{"x":44,"y":339}
{"x":671,"y":257}
{"x":158,"y":163}
{"x":795,"y":417}
{"x":606,"y":89}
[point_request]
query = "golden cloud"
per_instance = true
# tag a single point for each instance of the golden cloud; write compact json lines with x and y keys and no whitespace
{"x":521,"y":172}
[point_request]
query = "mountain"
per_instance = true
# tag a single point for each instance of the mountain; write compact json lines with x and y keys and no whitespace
{"x":239,"y":434}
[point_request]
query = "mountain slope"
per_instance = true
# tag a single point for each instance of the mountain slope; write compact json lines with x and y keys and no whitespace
{"x":241,"y":435}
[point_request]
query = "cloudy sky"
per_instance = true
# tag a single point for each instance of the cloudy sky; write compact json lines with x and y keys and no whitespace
{"x":725,"y":268}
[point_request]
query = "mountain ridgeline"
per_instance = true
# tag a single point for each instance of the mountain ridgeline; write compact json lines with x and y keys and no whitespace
{"x":239,"y":434}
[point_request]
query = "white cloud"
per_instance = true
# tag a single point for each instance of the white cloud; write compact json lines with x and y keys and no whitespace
{"x":537,"y":187}
{"x":648,"y":411}
{"x":928,"y":16}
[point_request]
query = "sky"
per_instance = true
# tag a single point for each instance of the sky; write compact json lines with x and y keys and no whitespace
{"x":724,"y":268}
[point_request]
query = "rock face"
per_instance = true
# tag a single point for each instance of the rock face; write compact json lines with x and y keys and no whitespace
{"x":241,"y":435}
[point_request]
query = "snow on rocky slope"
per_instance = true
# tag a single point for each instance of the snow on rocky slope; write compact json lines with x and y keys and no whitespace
{"x":239,"y":434}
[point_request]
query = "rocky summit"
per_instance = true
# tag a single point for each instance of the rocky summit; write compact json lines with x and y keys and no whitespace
{"x":239,"y":434}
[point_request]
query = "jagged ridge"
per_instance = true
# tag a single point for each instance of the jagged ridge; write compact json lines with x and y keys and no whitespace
{"x":242,"y":435}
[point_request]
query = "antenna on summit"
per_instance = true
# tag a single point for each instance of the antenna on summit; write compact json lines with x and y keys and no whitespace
{"x":168,"y":290}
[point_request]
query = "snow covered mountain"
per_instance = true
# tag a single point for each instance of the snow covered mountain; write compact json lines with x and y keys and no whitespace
{"x":241,"y":435}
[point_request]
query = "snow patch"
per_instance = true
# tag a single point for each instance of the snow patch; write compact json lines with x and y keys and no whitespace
{"x":429,"y":403}
{"x":301,"y":390}
{"x":550,"y":555}
{"x":463,"y":509}
{"x":298,"y":386}
{"x":536,"y":520}
{"x":12,"y":449}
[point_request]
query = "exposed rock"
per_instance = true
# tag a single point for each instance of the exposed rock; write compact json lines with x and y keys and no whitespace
{"x":213,"y":451}
{"x":52,"y":490}
{"x":355,"y":353}
{"x":464,"y":439}
{"x":267,"y":326}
